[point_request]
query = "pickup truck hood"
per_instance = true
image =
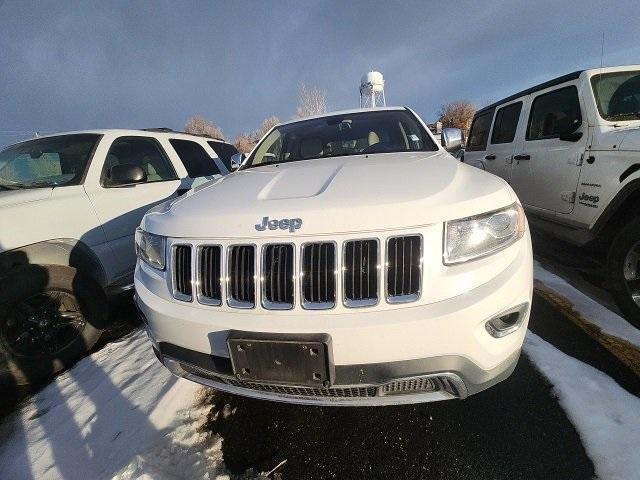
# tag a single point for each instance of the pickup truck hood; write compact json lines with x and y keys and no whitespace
{"x":9,"y":198}
{"x":335,"y":195}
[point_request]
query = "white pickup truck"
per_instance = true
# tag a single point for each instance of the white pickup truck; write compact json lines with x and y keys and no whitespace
{"x":351,"y":261}
{"x":69,"y":207}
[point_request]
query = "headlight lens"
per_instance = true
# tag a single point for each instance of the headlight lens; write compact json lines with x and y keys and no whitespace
{"x":473,"y":237}
{"x":150,"y":248}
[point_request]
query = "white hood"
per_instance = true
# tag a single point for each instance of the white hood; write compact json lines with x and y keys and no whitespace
{"x":16,"y":197}
{"x":334,"y":195}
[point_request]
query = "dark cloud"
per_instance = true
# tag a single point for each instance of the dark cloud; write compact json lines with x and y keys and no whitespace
{"x":73,"y":65}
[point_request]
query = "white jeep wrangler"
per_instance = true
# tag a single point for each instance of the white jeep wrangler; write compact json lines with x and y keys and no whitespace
{"x":351,"y":261}
{"x":69,"y":207}
{"x":570,"y":148}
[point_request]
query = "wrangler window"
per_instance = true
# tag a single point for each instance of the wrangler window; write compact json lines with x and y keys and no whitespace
{"x":480,"y":131}
{"x":506,"y":123}
{"x":555,"y":113}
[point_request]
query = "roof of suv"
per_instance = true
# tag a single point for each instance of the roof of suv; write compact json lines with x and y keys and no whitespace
{"x":156,"y":132}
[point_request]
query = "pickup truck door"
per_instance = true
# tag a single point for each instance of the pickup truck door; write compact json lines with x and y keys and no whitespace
{"x":121,"y":208}
{"x":546,"y":165}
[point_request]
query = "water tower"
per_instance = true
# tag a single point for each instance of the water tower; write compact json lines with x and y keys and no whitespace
{"x":372,"y":90}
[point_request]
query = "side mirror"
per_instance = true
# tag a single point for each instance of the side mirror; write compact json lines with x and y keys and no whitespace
{"x":124,"y":174}
{"x":451,"y":139}
{"x":236,"y":160}
{"x":571,"y":137}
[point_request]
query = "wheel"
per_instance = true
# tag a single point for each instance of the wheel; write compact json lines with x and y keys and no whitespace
{"x":50,"y":316}
{"x":624,"y":270}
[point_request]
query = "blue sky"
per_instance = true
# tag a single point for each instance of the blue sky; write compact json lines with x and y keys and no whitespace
{"x":80,"y":64}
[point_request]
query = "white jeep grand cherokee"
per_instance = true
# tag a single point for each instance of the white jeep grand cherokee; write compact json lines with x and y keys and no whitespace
{"x":354,"y":262}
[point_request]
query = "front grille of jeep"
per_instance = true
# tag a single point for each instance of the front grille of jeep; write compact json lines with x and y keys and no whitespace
{"x":404,"y":268}
{"x":182,"y":286}
{"x":360,"y":273}
{"x":242,"y":276}
{"x":210,"y":274}
{"x":356,"y":272}
{"x":278,"y":282}
{"x":318,"y":283}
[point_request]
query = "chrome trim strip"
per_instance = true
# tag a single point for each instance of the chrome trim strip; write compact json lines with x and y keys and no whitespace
{"x":266,"y":304}
{"x":318,"y":305}
{"x":233,"y":303}
{"x":403,"y":298}
{"x":201,"y":298}
{"x":367,"y":302}
{"x":176,"y":294}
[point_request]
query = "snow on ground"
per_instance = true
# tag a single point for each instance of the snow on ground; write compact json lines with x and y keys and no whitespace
{"x":606,"y":416}
{"x":116,"y":414}
{"x":592,"y":311}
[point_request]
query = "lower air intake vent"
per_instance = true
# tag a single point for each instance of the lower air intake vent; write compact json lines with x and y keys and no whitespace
{"x":360,"y":268}
{"x":319,"y":275}
{"x":277,"y":273}
{"x":210,"y":275}
{"x":404,"y":271}
{"x":182,"y":288}
{"x":242,"y":276}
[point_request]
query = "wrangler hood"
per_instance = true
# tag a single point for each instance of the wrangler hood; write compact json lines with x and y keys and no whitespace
{"x":334,"y":195}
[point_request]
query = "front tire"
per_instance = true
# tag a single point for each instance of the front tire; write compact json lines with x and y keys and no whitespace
{"x":624,"y":270}
{"x":50,"y":317}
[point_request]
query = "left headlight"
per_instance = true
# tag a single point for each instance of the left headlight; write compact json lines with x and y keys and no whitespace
{"x":150,"y":248}
{"x":474,"y":237}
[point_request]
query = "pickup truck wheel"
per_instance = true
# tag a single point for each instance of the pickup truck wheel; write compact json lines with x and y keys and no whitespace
{"x":50,"y":316}
{"x":624,"y":270}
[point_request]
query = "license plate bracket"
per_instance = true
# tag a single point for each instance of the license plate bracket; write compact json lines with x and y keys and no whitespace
{"x":288,"y":359}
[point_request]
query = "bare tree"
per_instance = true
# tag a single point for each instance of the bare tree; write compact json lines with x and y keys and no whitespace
{"x":199,"y":125}
{"x":311,"y":101}
{"x":244,"y":143}
{"x":457,"y":114}
{"x":264,"y":127}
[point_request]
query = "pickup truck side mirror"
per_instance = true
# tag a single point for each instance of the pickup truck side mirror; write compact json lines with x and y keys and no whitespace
{"x":236,"y":160}
{"x":126,"y":174}
{"x":451,"y":139}
{"x":571,"y":137}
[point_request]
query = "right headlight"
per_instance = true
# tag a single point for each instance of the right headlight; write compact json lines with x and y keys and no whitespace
{"x":474,"y":237}
{"x":150,"y":248}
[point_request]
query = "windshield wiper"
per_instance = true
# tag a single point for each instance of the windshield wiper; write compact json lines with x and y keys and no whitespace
{"x":20,"y":186}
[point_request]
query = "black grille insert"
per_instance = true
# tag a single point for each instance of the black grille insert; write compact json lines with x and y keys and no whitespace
{"x":319,"y":275}
{"x":277,"y":276}
{"x":210,"y":275}
{"x":242,"y":281}
{"x":182,"y":288}
{"x":360,"y":264}
{"x":404,"y":272}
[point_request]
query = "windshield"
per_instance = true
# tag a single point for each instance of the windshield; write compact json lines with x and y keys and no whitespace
{"x":46,"y":162}
{"x":617,"y":95}
{"x":383,"y":131}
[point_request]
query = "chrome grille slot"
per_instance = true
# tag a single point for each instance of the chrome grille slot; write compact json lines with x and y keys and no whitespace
{"x":404,"y":268}
{"x":241,"y":289}
{"x":277,"y":276}
{"x":360,"y":273}
{"x":182,"y":286}
{"x":319,"y":275}
{"x":210,"y":274}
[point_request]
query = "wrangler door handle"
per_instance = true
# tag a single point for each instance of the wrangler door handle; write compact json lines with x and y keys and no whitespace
{"x":490,"y":157}
{"x":522,"y":157}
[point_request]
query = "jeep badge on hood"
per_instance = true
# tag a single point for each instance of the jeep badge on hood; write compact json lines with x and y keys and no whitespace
{"x":292,"y":224}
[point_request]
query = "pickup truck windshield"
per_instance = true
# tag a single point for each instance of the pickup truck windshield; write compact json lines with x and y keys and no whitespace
{"x":383,"y":131}
{"x":46,"y":162}
{"x":617,"y":95}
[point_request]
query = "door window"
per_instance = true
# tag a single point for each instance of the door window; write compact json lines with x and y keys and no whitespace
{"x":194,"y":158}
{"x":506,"y":123}
{"x":143,"y":152}
{"x":224,"y":152}
{"x":480,"y":131}
{"x":555,"y":113}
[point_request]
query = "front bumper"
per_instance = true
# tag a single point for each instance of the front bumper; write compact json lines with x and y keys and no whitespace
{"x":445,"y":347}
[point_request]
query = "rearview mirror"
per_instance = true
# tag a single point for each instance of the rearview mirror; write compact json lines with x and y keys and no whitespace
{"x":126,"y":174}
{"x":451,"y":139}
{"x":236,"y":160}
